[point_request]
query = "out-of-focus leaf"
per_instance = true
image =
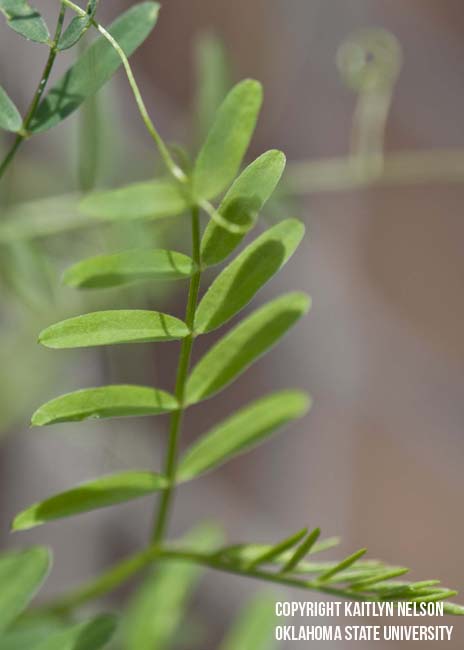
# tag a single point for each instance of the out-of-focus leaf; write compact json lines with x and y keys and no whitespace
{"x":111,"y":327}
{"x":27,"y":271}
{"x":10,"y":118}
{"x":240,"y":347}
{"x":25,"y":20}
{"x":29,"y":635}
{"x":104,"y":402}
{"x":221,"y":156}
{"x":212,"y":80}
{"x":149,"y":200}
{"x":241,"y":205}
{"x":95,"y":66}
{"x":100,"y":493}
{"x":21,"y":574}
{"x":129,"y":266}
{"x":242,"y":431}
{"x":247,"y":273}
{"x":255,"y":627}
{"x":41,"y":218}
{"x":90,"y":635}
{"x":158,"y":608}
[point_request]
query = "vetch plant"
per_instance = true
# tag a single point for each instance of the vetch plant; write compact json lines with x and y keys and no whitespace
{"x":191,"y":188}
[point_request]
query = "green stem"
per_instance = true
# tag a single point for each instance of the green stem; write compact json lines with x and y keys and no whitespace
{"x":126,"y":569}
{"x":181,"y":379}
{"x":171,"y":166}
{"x":23,"y":134}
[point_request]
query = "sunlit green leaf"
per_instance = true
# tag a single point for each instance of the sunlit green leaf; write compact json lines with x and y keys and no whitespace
{"x":10,"y":118}
{"x":158,"y":608}
{"x":240,"y":347}
{"x":104,"y":402}
{"x":21,"y":574}
{"x":241,"y":206}
{"x":247,"y":273}
{"x":453,"y":609}
{"x":243,"y":430}
{"x":150,"y":199}
{"x":77,"y":27}
{"x":254,"y":628}
{"x":212,"y":80}
{"x":95,"y":66}
{"x":220,"y":158}
{"x":25,"y":20}
{"x":111,"y":327}
{"x":100,"y":493}
{"x":90,"y":635}
{"x":129,"y":266}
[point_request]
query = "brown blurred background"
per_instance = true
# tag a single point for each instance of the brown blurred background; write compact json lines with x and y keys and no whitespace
{"x":379,"y":459}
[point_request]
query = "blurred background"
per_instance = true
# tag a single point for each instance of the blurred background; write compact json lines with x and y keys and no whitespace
{"x":378,"y":460}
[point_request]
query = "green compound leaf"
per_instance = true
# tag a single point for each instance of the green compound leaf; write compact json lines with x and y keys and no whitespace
{"x":247,"y":273}
{"x":148,"y":200}
{"x":21,"y":574}
{"x":240,"y":347}
{"x":129,"y":266}
{"x":10,"y":118}
{"x":241,"y":205}
{"x":25,"y":20}
{"x":112,"y":327}
{"x":103,"y":492}
{"x":158,"y":609}
{"x":95,"y":66}
{"x":254,"y":628}
{"x":104,"y":402}
{"x":220,"y":158}
{"x":90,"y":635}
{"x":244,"y":430}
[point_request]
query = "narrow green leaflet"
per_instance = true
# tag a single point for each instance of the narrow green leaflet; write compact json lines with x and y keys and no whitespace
{"x":105,"y":402}
{"x":21,"y":574}
{"x":95,"y":66}
{"x":277,"y":549}
{"x":74,"y":32}
{"x":241,"y":205}
{"x":341,"y":566}
{"x":240,"y":347}
{"x":129,"y":266}
{"x":25,"y":20}
{"x":10,"y":118}
{"x":111,"y":327}
{"x":90,"y":635}
{"x":247,"y":273}
{"x":244,"y":430}
{"x":220,"y":158}
{"x":77,"y":27}
{"x":158,"y":609}
{"x":103,"y":492}
{"x":303,"y":549}
{"x":149,"y":200}
{"x":255,"y":627}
